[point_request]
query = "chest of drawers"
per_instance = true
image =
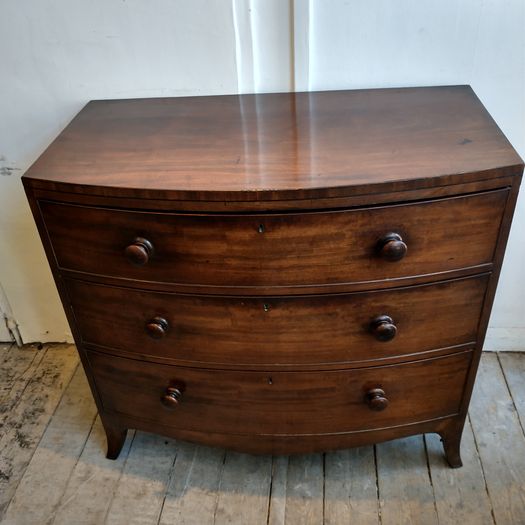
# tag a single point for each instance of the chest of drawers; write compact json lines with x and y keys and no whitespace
{"x":279,"y":273}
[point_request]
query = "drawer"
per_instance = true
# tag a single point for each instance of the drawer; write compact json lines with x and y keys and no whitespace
{"x":282,"y":402}
{"x":276,"y":331}
{"x":293,"y":249}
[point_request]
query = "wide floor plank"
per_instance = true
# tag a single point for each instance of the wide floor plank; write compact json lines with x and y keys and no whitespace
{"x":36,"y":499}
{"x":193,"y":493}
{"x":27,"y":419}
{"x":142,"y":487}
{"x":304,"y":491}
{"x":17,"y":367}
{"x":513,"y":364}
{"x":405,"y":489}
{"x":5,"y":369}
{"x":461,"y":495}
{"x":351,"y":487}
{"x":500,"y":442}
{"x":244,"y":490}
{"x":277,"y":507}
{"x":93,"y":482}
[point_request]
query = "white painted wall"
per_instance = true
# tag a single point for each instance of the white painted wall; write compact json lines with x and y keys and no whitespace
{"x":5,"y":315}
{"x":56,"y":55}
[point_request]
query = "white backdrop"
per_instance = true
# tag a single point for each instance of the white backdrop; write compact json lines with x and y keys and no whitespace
{"x":56,"y":55}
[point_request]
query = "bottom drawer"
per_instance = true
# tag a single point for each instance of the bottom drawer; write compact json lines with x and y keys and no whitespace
{"x":287,"y":403}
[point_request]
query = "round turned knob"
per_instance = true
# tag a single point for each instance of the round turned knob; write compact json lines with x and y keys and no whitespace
{"x":157,"y":327}
{"x":383,"y":328}
{"x":172,"y":397}
{"x":391,"y":247}
{"x":376,"y":399}
{"x":139,"y":251}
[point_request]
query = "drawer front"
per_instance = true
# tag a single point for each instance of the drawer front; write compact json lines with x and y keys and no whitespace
{"x":277,"y":250}
{"x":276,"y":331}
{"x":281,"y":402}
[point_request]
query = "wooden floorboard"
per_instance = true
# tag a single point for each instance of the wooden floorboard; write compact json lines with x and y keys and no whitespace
{"x":53,"y":456}
{"x":142,"y":487}
{"x":460,"y":494}
{"x":244,"y":490}
{"x":29,"y":416}
{"x":93,"y":482}
{"x":405,"y":489}
{"x":193,"y":493}
{"x":17,"y":367}
{"x":277,"y":504}
{"x":304,"y":489}
{"x":6,"y":369}
{"x":351,"y":487}
{"x":513,"y":365}
{"x":36,"y":498}
{"x":500,"y":442}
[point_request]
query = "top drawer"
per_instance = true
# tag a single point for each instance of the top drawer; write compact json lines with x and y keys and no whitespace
{"x":292,"y":249}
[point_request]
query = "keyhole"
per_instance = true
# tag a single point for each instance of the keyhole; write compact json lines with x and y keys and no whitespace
{"x":270,"y":381}
{"x":266,"y":307}
{"x":260,"y":229}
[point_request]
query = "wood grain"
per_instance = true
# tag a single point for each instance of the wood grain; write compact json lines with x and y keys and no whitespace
{"x":430,"y":188}
{"x":241,"y":198}
{"x":295,"y":249}
{"x":273,"y":146}
{"x":283,"y":402}
{"x":268,"y":332}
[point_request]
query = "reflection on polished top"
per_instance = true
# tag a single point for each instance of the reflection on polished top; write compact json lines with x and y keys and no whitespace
{"x":284,"y":145}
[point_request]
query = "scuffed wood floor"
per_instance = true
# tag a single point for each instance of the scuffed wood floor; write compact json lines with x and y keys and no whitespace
{"x":53,"y":469}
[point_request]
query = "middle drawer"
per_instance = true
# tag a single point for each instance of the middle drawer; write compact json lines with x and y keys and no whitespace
{"x":279,"y":331}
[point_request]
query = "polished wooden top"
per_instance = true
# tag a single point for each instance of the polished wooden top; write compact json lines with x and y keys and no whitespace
{"x":276,"y":146}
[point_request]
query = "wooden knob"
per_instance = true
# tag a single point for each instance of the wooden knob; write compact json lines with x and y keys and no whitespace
{"x":139,"y":251}
{"x":391,"y":247}
{"x":172,"y":396}
{"x":376,"y":399}
{"x":383,"y":328}
{"x":157,"y":327}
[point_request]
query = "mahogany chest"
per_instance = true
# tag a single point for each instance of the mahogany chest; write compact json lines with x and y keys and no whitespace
{"x":279,"y":273}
